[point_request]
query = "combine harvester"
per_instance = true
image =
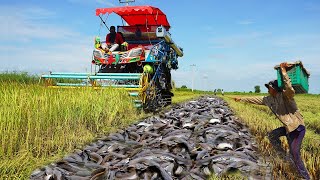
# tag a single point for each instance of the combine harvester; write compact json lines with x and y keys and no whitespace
{"x":142,"y":65}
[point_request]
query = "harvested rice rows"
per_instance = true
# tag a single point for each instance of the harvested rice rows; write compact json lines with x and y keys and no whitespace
{"x":191,"y":141}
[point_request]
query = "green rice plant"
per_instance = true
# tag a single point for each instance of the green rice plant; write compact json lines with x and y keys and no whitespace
{"x":309,"y":105}
{"x":38,"y":124}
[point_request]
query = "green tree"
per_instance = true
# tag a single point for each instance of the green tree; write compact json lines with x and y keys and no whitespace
{"x":257,"y":89}
{"x":183,"y":87}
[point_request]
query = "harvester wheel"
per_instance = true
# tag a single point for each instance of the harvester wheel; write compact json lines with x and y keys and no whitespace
{"x":144,"y":83}
{"x":148,"y":92}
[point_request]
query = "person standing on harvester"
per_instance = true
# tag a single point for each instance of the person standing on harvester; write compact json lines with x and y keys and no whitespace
{"x":283,"y":105}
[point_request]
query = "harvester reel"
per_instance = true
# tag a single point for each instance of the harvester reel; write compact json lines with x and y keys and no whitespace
{"x":148,"y":93}
{"x":144,"y":82}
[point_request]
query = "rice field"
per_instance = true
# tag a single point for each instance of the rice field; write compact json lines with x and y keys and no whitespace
{"x":39,"y":125}
{"x":261,"y":120}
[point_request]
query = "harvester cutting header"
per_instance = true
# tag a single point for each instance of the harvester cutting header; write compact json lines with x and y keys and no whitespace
{"x":137,"y":55}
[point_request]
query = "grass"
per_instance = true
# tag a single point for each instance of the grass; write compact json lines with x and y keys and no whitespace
{"x":181,"y":95}
{"x":39,"y":124}
{"x":261,"y":120}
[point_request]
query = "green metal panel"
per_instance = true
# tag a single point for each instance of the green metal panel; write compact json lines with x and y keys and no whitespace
{"x":116,"y":77}
{"x":121,"y":85}
{"x":119,"y":74}
{"x":72,"y":84}
{"x":135,"y":94}
{"x":70,"y":73}
{"x":65,"y":76}
{"x":138,"y":105}
{"x":98,"y":74}
{"x":122,"y":77}
{"x":105,"y":85}
{"x":101,"y":76}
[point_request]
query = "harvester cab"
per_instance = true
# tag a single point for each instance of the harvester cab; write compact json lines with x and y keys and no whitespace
{"x":142,"y":63}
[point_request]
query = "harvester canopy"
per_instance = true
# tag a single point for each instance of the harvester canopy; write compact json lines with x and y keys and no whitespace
{"x":138,"y":15}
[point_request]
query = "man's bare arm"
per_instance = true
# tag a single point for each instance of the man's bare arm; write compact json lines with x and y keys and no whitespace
{"x":288,"y":89}
{"x":252,"y":100}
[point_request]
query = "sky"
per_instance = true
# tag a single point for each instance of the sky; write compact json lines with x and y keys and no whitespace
{"x":234,"y":44}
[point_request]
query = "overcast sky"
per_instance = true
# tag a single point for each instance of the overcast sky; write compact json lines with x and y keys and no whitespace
{"x":234,"y":43}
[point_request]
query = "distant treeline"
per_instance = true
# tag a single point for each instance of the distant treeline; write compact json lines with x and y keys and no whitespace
{"x":26,"y":78}
{"x":190,"y":90}
{"x":21,"y":77}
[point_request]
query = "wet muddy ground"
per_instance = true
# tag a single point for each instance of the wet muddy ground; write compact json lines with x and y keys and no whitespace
{"x":190,"y":141}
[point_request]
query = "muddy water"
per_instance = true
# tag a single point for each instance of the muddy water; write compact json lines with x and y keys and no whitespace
{"x":191,"y":141}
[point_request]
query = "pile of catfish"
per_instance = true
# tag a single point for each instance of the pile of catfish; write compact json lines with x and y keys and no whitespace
{"x":191,"y":141}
